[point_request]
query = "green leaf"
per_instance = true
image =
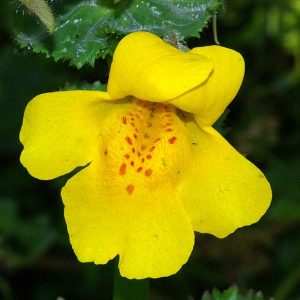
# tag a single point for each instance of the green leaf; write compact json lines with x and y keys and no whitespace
{"x":232,"y":294}
{"x":87,"y":30}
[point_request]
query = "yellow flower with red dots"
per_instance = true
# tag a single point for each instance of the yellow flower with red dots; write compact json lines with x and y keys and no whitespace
{"x":155,"y":170}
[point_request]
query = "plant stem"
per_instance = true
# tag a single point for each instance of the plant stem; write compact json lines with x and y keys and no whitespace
{"x":129,"y":289}
{"x":215,"y":30}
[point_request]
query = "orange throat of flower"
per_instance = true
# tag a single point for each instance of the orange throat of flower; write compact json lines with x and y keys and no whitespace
{"x":143,"y":146}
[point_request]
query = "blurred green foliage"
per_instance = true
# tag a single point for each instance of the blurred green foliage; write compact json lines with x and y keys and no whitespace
{"x":232,"y":294}
{"x":36,"y":259}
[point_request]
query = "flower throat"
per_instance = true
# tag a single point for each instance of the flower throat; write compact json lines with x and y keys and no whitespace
{"x":142,"y":148}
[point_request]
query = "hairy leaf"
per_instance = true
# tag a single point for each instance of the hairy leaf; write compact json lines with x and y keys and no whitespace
{"x":43,"y":12}
{"x":86,"y":30}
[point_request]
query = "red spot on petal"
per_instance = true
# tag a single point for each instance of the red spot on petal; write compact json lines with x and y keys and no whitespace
{"x":139,"y":154}
{"x":130,"y":189}
{"x":172,"y":140}
{"x":105,"y":152}
{"x":122,"y":170}
{"x":128,"y":140}
{"x":146,"y":136}
{"x":124,"y":120}
{"x":139,"y":169}
{"x":133,"y":150}
{"x":132,"y":163}
{"x":169,"y":130}
{"x":157,"y":140}
{"x":127,"y":156}
{"x":143,"y":147}
{"x":148,"y":172}
{"x":152,"y":148}
{"x":143,"y":160}
{"x":132,"y":124}
{"x":149,"y":156}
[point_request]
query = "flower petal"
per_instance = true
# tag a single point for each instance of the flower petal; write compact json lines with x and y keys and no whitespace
{"x":125,"y":201}
{"x":222,"y":189}
{"x":209,"y":100}
{"x":150,"y":69}
{"x":59,"y":131}
{"x":149,"y":229}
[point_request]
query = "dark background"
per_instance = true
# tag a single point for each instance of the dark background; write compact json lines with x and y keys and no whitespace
{"x":36,"y":259}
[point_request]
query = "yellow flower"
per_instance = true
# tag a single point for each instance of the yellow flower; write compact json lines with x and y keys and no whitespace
{"x":155,"y":170}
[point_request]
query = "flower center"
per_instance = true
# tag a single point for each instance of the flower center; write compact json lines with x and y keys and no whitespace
{"x":144,"y":145}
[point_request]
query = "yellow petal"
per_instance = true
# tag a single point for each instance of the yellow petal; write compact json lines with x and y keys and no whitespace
{"x":209,"y":100}
{"x":222,"y":189}
{"x":160,"y":235}
{"x":125,"y":201}
{"x":149,"y":229}
{"x":150,"y":69}
{"x":59,"y":131}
